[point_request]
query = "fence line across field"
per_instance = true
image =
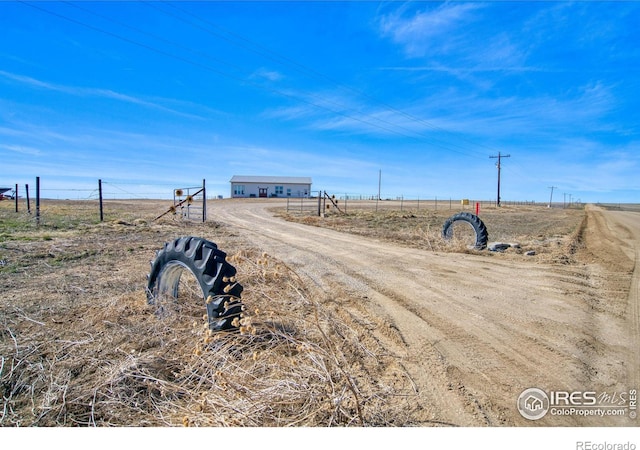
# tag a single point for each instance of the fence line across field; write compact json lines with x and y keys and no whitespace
{"x":310,"y":204}
{"x":317,"y":204}
{"x":190,"y":203}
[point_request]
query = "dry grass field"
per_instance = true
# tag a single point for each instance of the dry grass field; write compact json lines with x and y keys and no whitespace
{"x":547,"y":235}
{"x":81,"y":346}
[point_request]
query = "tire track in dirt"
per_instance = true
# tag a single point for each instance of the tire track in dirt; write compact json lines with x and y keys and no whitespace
{"x":327,"y":274}
{"x":473,"y":331}
{"x":622,"y":233}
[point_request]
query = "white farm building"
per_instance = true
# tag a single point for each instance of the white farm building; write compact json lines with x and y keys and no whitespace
{"x":255,"y":186}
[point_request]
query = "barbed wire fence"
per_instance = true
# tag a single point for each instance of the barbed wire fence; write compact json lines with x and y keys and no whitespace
{"x":190,"y":203}
{"x":75,"y":204}
{"x":322,"y":202}
{"x":111,"y":191}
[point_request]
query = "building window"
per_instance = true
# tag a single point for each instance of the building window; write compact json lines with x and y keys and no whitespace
{"x":279,"y":190}
{"x":288,"y":192}
{"x":238,"y":189}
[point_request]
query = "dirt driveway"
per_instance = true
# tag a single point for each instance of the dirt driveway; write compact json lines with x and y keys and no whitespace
{"x":473,"y":332}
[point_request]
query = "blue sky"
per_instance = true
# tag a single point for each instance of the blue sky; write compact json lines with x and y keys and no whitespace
{"x":149,"y":97}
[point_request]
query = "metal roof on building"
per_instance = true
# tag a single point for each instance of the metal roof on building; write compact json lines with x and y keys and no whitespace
{"x":270,"y":180}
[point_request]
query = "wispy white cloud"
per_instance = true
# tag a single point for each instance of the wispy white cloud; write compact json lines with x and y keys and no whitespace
{"x":446,"y":37}
{"x":462,"y":70}
{"x":580,"y":166}
{"x":267,"y":74}
{"x":463,"y":78}
{"x":25,"y":150}
{"x":330,"y":111}
{"x":450,"y":118}
{"x":90,"y":92}
{"x":11,"y":131}
{"x":421,"y":32}
{"x":499,"y":50}
{"x":290,"y":112}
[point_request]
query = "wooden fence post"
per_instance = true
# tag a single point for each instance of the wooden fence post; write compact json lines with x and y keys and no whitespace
{"x":38,"y":201}
{"x":100,"y":198}
{"x":204,"y":200}
{"x":324,"y":203}
{"x":26,"y":188}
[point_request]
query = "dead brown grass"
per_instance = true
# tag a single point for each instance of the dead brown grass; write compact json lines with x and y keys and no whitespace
{"x":80,"y":346}
{"x":551,"y":233}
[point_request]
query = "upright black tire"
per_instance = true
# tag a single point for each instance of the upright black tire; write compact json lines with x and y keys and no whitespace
{"x":482,"y":235}
{"x":216,"y":277}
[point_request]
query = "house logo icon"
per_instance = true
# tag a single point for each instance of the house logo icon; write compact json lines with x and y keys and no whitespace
{"x":533,"y":403}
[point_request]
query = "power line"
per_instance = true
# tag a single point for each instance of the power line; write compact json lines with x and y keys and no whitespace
{"x":152,"y":35}
{"x":284,"y":60}
{"x":214,"y":70}
{"x":261,"y":50}
{"x":394,"y":126}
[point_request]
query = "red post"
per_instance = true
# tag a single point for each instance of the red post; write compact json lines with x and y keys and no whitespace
{"x":477,"y":208}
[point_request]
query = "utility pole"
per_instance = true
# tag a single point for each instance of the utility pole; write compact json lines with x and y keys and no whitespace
{"x":551,"y":197}
{"x":500,"y":156}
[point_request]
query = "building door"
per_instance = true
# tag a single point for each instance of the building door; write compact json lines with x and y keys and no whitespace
{"x":262,"y":192}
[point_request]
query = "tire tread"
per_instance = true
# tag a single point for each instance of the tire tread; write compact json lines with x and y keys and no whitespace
{"x":210,"y":268}
{"x":482,"y":235}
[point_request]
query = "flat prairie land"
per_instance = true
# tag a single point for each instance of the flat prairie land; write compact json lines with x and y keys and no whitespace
{"x":367,"y":318}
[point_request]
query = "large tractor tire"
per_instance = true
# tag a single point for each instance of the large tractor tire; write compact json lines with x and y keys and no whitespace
{"x":214,"y":275}
{"x":482,"y":236}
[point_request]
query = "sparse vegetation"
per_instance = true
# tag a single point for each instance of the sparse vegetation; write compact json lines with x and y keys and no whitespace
{"x":547,"y":231}
{"x":81,"y":346}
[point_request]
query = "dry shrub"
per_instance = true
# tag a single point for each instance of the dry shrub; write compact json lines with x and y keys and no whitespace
{"x":113,"y":362}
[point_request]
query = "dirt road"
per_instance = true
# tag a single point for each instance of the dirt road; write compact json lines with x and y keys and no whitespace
{"x":474,"y":331}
